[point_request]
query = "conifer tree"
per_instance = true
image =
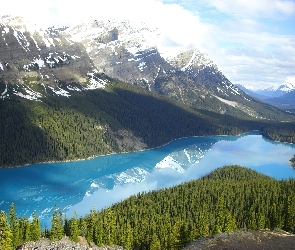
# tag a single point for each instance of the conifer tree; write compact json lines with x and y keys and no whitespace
{"x":288,"y":223}
{"x":98,"y":232}
{"x":24,"y":229}
{"x":91,"y":222}
{"x":176,"y":236}
{"x":14,"y":226}
{"x":127,"y":238}
{"x":35,"y":228}
{"x":57,"y":229}
{"x":155,"y":243}
{"x":5,"y":234}
{"x":82,"y":227}
{"x":66,"y":226}
{"x":73,"y":228}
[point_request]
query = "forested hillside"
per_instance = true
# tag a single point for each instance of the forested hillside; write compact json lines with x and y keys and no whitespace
{"x":228,"y":198}
{"x":121,"y":117}
{"x":59,"y":100}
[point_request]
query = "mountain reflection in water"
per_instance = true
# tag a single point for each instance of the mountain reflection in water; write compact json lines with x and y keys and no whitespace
{"x":97,"y":183}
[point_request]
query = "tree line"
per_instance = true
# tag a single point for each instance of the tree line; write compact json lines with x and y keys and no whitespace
{"x":89,"y":123}
{"x":229,"y":198}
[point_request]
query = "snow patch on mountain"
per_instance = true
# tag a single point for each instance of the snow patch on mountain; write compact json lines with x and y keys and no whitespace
{"x":59,"y":91}
{"x":4,"y":94}
{"x":95,"y":82}
{"x":73,"y":88}
{"x":22,"y":40}
{"x":287,"y":87}
{"x":198,"y":59}
{"x":36,"y":63}
{"x":28,"y":93}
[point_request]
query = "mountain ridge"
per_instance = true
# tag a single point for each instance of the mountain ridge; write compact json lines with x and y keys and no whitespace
{"x":271,"y":92}
{"x":72,"y":58}
{"x":105,"y":78}
{"x":282,"y":97}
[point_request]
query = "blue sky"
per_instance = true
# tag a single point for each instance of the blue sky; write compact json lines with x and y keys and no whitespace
{"x":252,"y":42}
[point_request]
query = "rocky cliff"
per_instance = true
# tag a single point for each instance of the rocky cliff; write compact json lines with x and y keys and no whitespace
{"x":36,"y":62}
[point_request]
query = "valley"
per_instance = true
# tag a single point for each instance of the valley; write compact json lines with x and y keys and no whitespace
{"x":99,"y":88}
{"x":74,"y":99}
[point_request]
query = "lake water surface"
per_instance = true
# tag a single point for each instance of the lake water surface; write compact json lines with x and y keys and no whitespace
{"x":97,"y":183}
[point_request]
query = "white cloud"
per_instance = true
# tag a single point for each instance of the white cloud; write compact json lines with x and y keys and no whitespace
{"x":244,"y":8}
{"x":245,"y":39}
{"x":291,"y":79}
{"x":246,"y":49}
{"x":286,"y":7}
{"x":180,"y":26}
{"x":252,"y":57}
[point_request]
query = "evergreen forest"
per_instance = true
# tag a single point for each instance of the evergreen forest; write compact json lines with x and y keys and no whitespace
{"x":122,"y":117}
{"x":228,"y":198}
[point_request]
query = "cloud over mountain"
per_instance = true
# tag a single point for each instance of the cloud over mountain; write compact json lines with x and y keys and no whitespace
{"x":252,"y":42}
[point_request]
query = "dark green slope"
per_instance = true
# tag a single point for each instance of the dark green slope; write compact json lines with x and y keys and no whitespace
{"x":228,"y":198}
{"x":119,"y":118}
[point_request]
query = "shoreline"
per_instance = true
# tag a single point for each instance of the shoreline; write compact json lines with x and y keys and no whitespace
{"x":95,"y":156}
{"x":258,"y":132}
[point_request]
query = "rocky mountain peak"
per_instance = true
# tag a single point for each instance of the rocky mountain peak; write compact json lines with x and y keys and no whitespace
{"x":287,"y":87}
{"x":37,"y":62}
{"x":192,"y":60}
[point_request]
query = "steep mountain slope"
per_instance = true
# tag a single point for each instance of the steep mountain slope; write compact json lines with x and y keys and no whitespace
{"x":136,"y":54}
{"x":286,"y":99}
{"x":59,"y":99}
{"x":121,"y":117}
{"x":34,"y":62}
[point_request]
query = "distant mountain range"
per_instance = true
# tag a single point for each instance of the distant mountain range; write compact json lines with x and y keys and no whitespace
{"x":282,"y":96}
{"x":116,"y":82}
{"x":271,"y":92}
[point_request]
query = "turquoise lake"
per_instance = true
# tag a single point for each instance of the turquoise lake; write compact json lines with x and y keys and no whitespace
{"x":97,"y":183}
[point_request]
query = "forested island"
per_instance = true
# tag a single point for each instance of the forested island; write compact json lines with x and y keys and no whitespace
{"x":228,"y":198}
{"x":293,"y":161}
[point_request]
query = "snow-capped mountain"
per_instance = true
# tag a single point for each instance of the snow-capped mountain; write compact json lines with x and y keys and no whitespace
{"x":136,"y":54}
{"x":282,"y":97}
{"x":276,"y":91}
{"x":35,"y":63}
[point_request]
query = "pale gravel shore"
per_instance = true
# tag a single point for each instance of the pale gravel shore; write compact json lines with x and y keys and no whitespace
{"x":63,"y":244}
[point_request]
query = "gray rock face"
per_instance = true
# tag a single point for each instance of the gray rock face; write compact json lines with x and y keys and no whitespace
{"x":72,"y":58}
{"x":246,"y":239}
{"x":46,"y":55}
